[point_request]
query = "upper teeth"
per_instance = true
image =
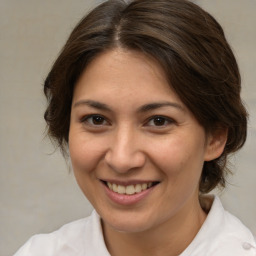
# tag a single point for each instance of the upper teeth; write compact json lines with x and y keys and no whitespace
{"x":130,"y":189}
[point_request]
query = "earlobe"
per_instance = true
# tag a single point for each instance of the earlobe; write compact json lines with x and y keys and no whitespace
{"x":216,"y":142}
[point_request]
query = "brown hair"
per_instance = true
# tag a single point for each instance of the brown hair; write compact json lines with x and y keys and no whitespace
{"x":185,"y":40}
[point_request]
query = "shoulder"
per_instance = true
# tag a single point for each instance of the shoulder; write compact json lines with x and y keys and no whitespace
{"x":234,"y":238}
{"x":75,"y":238}
{"x":222,"y":234}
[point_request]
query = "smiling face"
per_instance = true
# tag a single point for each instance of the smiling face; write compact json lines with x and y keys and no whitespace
{"x":137,"y":152}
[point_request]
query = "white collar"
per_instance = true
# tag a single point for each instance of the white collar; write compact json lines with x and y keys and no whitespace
{"x":221,"y":234}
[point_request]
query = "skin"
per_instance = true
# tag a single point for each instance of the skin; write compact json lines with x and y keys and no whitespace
{"x":127,"y":143}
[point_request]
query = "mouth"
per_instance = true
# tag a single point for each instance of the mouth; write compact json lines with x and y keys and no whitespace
{"x":130,"y":189}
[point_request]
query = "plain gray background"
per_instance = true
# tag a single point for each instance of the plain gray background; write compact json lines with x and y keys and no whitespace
{"x":37,"y":193}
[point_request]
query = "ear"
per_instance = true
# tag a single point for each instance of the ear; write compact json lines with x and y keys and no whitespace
{"x":215,"y":144}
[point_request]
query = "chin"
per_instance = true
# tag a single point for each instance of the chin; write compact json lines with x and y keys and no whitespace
{"x":128,"y":223}
{"x":131,"y":227}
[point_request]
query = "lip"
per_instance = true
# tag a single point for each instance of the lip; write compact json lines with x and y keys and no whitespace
{"x":129,"y":182}
{"x":126,"y":200}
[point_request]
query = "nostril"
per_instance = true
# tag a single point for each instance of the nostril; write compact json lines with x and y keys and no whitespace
{"x":122,"y":163}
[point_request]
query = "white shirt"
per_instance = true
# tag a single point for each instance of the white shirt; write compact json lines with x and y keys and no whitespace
{"x":222,"y":234}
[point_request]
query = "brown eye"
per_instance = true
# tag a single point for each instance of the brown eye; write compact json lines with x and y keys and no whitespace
{"x":159,"y":121}
{"x":96,"y":120}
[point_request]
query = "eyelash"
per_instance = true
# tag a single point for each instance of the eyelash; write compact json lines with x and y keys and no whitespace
{"x":167,"y":121}
{"x":86,"y":119}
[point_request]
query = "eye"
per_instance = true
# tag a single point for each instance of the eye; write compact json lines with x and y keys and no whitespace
{"x":95,"y":120}
{"x":159,"y":121}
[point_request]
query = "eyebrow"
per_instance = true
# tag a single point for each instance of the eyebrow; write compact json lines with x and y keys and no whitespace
{"x":156,"y":105}
{"x":143,"y":108}
{"x":93,"y":104}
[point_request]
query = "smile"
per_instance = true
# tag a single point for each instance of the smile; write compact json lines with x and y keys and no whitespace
{"x":129,"y":189}
{"x":128,"y":193}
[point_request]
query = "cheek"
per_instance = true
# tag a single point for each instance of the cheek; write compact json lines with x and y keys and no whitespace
{"x":85,"y":156}
{"x":84,"y":153}
{"x":179,"y":156}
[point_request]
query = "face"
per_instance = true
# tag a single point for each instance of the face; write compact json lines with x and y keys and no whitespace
{"x":137,"y":152}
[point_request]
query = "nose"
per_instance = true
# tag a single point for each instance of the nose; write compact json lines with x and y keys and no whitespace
{"x":124,"y":152}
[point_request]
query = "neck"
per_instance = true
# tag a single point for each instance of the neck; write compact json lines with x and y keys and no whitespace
{"x":170,"y":238}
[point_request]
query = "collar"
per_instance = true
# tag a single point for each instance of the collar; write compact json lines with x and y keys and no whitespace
{"x":222,"y":234}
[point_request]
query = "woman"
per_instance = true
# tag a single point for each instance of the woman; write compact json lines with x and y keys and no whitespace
{"x":145,"y":100}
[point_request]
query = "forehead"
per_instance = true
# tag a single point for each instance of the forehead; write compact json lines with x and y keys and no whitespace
{"x":123,"y":73}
